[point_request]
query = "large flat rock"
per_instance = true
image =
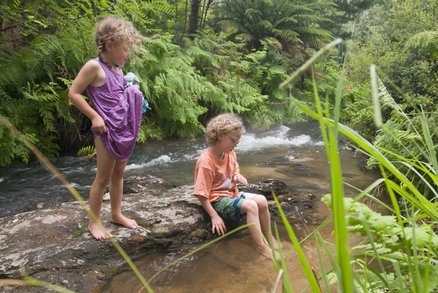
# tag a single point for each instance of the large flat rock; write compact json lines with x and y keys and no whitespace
{"x":54,"y":244}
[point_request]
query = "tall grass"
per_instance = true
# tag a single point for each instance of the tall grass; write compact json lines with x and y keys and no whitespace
{"x":399,"y":252}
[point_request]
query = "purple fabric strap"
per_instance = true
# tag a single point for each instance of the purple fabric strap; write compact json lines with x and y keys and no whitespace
{"x":120,"y":108}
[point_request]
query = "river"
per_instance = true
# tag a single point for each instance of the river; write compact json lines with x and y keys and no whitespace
{"x":293,"y":154}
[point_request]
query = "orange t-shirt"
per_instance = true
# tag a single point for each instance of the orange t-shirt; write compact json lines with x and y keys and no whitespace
{"x":214,"y":177}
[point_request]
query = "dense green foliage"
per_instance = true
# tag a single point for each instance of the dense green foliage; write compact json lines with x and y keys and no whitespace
{"x":293,"y":24}
{"x":403,"y":46}
{"x":186,"y":77}
{"x":235,"y":66}
{"x":200,"y":58}
{"x":398,"y":249}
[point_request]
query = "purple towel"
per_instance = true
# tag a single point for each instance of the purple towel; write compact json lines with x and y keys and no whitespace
{"x":120,"y":108}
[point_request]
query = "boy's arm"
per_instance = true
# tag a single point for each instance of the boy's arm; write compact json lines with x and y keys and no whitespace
{"x":239,"y":178}
{"x":217,"y":223}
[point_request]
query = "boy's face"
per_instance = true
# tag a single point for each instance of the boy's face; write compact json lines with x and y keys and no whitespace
{"x":229,"y":141}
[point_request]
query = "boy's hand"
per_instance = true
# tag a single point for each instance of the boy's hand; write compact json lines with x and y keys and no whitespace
{"x":218,"y":225}
{"x":239,"y":178}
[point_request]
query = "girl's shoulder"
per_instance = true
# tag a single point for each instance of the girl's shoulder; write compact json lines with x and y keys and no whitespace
{"x":93,"y":64}
{"x":93,"y":72}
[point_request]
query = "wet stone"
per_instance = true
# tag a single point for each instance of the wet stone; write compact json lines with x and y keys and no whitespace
{"x":54,"y":245}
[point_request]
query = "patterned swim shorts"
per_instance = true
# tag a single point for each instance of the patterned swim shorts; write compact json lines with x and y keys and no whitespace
{"x":229,"y":207}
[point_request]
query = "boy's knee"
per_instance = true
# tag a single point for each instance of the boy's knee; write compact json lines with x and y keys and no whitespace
{"x":263,"y":205}
{"x":251,"y":206}
{"x":262,"y":202}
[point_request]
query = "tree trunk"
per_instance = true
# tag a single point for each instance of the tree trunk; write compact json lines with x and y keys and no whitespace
{"x":193,"y":22}
{"x":207,"y":4}
{"x":10,"y":36}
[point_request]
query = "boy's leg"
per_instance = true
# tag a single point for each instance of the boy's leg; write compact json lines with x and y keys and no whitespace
{"x":116,"y":190}
{"x":250,"y":208}
{"x":105,"y":166}
{"x":264,"y":216}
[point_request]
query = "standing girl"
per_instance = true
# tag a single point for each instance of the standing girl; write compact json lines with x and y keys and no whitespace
{"x":115,"y":113}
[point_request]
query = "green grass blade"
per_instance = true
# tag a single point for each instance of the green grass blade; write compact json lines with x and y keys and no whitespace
{"x":321,"y":242}
{"x":431,"y":148}
{"x":309,"y":62}
{"x":313,"y":283}
{"x":375,"y":95}
{"x":282,"y":267}
{"x":336,"y":183}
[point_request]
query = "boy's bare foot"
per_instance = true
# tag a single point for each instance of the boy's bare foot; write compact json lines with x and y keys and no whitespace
{"x":97,"y":232}
{"x":275,"y":244}
{"x":265,"y":251}
{"x":124,"y":221}
{"x":272,"y":243}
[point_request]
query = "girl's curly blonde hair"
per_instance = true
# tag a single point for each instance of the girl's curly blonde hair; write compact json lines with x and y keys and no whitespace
{"x":222,"y":124}
{"x":114,"y":30}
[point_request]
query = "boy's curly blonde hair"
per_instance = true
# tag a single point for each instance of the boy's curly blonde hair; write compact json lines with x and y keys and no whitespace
{"x":115,"y":30}
{"x":223,"y":124}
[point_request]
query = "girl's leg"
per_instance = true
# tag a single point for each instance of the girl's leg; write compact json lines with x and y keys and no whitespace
{"x":105,"y":166}
{"x":250,"y":208}
{"x":116,"y":190}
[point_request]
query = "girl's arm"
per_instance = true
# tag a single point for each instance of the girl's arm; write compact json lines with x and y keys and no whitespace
{"x":88,"y":75}
{"x":217,"y":223}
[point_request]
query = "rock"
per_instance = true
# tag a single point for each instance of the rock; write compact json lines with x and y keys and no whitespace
{"x":266,"y":187}
{"x":136,"y":184}
{"x":54,"y":245}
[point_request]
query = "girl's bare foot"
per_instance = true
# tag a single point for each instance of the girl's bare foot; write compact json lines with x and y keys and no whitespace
{"x":97,"y":232}
{"x":124,"y":221}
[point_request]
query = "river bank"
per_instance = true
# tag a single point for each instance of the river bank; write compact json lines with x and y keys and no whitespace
{"x":53,"y":245}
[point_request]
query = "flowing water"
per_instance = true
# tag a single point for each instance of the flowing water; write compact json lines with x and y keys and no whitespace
{"x":293,"y":154}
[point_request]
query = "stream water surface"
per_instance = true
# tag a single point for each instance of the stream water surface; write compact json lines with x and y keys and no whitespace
{"x":293,"y":154}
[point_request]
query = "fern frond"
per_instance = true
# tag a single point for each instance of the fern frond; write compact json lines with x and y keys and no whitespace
{"x":423,"y":40}
{"x":88,"y":151}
